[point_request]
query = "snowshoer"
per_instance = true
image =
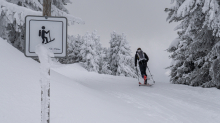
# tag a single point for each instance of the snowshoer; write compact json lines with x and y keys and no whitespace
{"x":142,"y":59}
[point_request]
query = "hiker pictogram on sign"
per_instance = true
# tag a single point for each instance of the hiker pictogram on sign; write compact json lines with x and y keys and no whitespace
{"x":50,"y":31}
{"x":43,"y":33}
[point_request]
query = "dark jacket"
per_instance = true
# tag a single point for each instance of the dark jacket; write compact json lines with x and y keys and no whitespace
{"x":137,"y":58}
{"x":43,"y":33}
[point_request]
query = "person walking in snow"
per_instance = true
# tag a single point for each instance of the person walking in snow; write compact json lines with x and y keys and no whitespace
{"x":142,"y":59}
{"x":42,"y":34}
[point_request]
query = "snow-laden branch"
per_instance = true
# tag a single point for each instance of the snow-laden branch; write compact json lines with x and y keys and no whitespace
{"x":14,"y":12}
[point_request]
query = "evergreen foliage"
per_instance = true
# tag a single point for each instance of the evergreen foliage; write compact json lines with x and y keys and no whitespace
{"x":194,"y":52}
{"x":116,"y":60}
{"x":104,"y":66}
{"x":120,"y":59}
{"x":74,"y":44}
{"x":89,"y":51}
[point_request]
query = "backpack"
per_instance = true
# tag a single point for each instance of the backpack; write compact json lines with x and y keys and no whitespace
{"x":39,"y":32}
{"x":141,"y":55}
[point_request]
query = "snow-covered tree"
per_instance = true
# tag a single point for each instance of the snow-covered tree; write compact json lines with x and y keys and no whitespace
{"x":89,"y":51}
{"x":73,"y":50}
{"x":96,"y":39}
{"x":75,"y":46}
{"x":194,"y":51}
{"x":120,"y":56}
{"x":104,"y":66}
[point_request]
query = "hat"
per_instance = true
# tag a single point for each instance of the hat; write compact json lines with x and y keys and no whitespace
{"x":139,"y":48}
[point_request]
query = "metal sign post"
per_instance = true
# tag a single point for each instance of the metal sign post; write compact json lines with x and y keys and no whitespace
{"x":45,"y":37}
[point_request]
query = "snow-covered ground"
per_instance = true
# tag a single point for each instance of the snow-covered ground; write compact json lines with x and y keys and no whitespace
{"x":78,"y":96}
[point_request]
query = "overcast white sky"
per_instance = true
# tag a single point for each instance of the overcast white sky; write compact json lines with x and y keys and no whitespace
{"x":142,"y":21}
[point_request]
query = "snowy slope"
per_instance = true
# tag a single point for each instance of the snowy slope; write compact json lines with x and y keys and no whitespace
{"x":78,"y":96}
{"x":163,"y":102}
{"x":19,"y":87}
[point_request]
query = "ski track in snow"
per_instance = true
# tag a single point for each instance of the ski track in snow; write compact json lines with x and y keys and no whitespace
{"x":161,"y":102}
{"x":78,"y":96}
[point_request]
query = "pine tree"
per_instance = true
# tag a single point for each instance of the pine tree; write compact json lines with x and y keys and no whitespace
{"x":120,"y":56}
{"x":76,"y":48}
{"x":89,"y":52}
{"x":193,"y":53}
{"x":73,"y":50}
{"x":104,"y":66}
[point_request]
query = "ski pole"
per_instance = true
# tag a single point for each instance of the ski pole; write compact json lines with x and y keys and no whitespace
{"x":49,"y":35}
{"x":137,"y":74}
{"x":150,"y":73}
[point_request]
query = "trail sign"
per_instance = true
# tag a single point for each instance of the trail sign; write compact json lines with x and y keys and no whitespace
{"x":51,"y":31}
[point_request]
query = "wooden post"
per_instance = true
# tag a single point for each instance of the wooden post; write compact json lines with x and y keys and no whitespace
{"x":47,"y":8}
{"x":46,"y":12}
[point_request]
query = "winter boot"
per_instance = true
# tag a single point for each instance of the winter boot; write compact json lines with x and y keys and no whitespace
{"x":145,"y":79}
